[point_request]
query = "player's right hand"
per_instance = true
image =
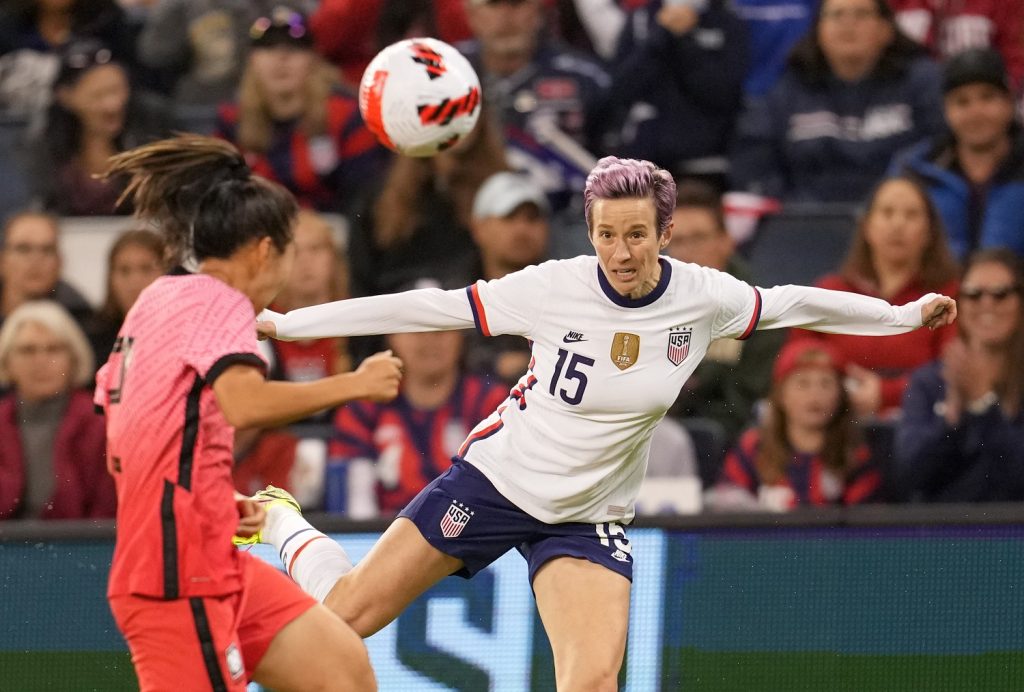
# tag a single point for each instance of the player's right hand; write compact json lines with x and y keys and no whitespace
{"x":381,"y":375}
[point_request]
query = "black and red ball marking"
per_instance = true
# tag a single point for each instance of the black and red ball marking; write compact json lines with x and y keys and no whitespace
{"x":430,"y":59}
{"x":449,"y":109}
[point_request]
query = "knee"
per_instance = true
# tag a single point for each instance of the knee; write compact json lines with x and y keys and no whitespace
{"x":363,"y":613}
{"x":588,"y":678}
{"x":348,"y":673}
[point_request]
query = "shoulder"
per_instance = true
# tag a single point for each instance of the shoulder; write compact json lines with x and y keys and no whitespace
{"x":228,"y":112}
{"x":928,"y":376}
{"x":574,"y":63}
{"x":750,"y":440}
{"x":81,"y":407}
{"x":559,"y":269}
{"x":341,"y":99}
{"x":835,"y":282}
{"x":917,"y":156}
{"x":924,"y":71}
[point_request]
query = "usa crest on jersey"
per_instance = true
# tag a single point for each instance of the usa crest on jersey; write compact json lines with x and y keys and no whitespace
{"x":455,"y":519}
{"x":679,"y":345}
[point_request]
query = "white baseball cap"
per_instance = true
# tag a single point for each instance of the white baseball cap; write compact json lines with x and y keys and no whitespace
{"x":504,"y":192}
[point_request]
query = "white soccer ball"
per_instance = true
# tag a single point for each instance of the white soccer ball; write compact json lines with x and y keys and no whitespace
{"x":419,"y":96}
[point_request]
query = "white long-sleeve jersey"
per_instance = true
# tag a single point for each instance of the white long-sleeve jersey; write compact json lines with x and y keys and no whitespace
{"x":571,"y":441}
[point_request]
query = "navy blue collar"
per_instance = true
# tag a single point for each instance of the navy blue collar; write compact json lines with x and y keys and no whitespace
{"x":626,"y":301}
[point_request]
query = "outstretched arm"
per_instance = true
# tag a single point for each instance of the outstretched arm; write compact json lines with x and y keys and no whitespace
{"x":421,"y":310}
{"x":841,"y":312}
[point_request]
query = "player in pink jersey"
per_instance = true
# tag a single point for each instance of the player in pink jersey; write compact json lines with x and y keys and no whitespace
{"x":184,"y":372}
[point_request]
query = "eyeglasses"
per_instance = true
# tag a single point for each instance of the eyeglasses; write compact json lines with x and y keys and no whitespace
{"x":283,"y":20}
{"x":81,"y":60}
{"x":32,"y":249}
{"x":858,"y":14}
{"x":998,"y":294}
{"x":32,"y":350}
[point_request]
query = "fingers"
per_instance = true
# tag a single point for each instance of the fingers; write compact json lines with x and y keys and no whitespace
{"x":251,"y":515}
{"x":940,"y":312}
{"x":266,"y":330}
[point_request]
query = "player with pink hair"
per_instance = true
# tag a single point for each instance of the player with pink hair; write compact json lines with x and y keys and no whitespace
{"x":555,"y":469}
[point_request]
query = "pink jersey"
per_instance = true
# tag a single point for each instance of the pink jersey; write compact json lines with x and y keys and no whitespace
{"x":168,"y":444}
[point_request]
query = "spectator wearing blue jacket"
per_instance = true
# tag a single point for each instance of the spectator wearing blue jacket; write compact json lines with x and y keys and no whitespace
{"x":855,"y":91}
{"x":677,"y":85}
{"x":774,"y":27}
{"x":975,"y":172}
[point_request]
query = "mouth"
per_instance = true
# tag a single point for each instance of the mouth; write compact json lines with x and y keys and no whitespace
{"x":624,"y":275}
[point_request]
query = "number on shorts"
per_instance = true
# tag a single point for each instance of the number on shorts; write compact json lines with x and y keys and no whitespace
{"x":607,"y":533}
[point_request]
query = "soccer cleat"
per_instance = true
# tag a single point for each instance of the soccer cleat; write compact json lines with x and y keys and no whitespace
{"x":270,"y":496}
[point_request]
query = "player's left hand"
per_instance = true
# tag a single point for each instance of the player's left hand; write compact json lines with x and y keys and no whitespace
{"x":266,"y":330}
{"x":251,"y":515}
{"x":938,"y":313}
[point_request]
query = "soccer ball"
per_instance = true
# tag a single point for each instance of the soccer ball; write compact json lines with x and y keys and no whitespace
{"x":419,"y":96}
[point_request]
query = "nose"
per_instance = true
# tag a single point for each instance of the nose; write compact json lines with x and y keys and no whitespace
{"x":621,"y":251}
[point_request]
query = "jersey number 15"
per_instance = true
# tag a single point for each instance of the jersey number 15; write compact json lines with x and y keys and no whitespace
{"x":572,"y":372}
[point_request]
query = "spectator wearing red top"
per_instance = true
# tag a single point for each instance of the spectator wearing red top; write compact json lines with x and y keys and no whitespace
{"x":295,"y":124}
{"x":52,"y":443}
{"x":807,"y":450}
{"x":899,"y":253}
{"x":350,"y":32}
{"x":948,"y":27}
{"x":320,"y":275}
{"x":412,"y":439}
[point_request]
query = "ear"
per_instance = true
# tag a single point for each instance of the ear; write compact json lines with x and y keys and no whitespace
{"x":264,"y":251}
{"x":666,"y":236}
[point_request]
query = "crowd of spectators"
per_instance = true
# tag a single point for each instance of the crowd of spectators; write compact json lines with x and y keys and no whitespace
{"x":907,"y":111}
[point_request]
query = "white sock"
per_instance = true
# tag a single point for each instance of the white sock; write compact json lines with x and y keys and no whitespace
{"x":312,"y":559}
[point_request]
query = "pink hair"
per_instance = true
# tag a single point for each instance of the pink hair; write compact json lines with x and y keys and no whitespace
{"x":615,"y":178}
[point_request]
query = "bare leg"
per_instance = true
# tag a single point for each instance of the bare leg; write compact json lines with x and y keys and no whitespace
{"x":316,"y":652}
{"x":585,"y":611}
{"x":397,"y":570}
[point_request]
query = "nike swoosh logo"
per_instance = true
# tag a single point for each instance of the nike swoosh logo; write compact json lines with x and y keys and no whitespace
{"x":572,"y":340}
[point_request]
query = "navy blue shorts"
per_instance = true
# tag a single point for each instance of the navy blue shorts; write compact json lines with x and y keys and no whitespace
{"x":461,"y":514}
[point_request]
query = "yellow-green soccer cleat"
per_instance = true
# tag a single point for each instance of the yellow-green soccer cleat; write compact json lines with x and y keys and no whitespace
{"x":270,"y":496}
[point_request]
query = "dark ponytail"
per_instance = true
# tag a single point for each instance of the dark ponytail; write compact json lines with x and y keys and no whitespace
{"x":203,"y":196}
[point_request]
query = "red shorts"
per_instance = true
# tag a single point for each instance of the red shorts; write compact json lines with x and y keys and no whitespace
{"x":211,"y":643}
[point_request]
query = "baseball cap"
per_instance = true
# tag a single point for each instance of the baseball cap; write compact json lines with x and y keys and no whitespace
{"x":805,"y":353}
{"x":502,"y":193}
{"x":973,"y":66}
{"x":79,"y":56}
{"x":477,"y":3}
{"x":284,"y":26}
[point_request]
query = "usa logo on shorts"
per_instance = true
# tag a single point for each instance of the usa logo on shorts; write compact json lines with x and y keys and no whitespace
{"x":679,"y":345}
{"x":455,"y":519}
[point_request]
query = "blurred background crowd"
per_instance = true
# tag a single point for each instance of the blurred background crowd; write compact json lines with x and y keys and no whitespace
{"x":858,"y":145}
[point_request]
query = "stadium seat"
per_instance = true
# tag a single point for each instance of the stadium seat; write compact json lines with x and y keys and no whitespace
{"x":709,"y":440}
{"x":200,"y":120}
{"x":800,"y":244}
{"x":880,"y":437}
{"x":14,"y":186}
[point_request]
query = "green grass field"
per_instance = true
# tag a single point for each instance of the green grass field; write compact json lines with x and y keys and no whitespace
{"x":698,"y":670}
{"x":825,"y":672}
{"x":66,"y":671}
